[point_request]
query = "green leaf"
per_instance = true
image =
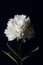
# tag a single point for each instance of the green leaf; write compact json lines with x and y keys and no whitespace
{"x":13,"y":51}
{"x":24,"y":58}
{"x":9,"y":56}
{"x":35,"y":50}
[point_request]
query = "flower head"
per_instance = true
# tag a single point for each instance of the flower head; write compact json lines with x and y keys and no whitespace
{"x":19,"y":27}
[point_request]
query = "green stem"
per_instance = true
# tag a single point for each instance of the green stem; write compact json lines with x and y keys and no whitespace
{"x":19,"y":49}
{"x":21,"y":63}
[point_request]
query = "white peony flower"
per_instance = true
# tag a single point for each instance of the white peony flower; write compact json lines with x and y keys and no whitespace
{"x":19,"y":27}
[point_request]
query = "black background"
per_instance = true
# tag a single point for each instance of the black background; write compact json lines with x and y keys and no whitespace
{"x":31,"y":8}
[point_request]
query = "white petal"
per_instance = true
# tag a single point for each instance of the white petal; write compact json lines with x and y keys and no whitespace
{"x":16,"y":27}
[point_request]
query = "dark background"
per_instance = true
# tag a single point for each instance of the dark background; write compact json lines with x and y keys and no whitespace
{"x":30,"y":8}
